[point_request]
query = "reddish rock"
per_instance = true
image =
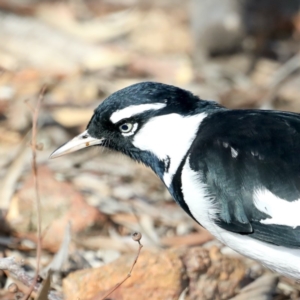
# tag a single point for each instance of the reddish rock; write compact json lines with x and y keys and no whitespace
{"x":208,"y":274}
{"x":155,"y":276}
{"x":213,"y":275}
{"x":60,"y":203}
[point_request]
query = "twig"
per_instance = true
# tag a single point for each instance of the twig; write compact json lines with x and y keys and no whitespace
{"x":81,"y":9}
{"x":10,"y":264}
{"x":136,"y":236}
{"x":286,"y":70}
{"x":146,"y":225}
{"x":61,"y":255}
{"x":183,"y":294}
{"x":35,"y":113}
{"x":13,"y":173}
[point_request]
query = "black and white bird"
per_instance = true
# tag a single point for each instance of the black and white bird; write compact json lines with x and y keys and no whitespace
{"x":235,"y":172}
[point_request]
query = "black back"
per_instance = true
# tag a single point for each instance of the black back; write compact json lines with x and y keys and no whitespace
{"x":267,"y":145}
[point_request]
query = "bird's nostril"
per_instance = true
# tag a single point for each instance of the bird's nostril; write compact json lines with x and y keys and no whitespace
{"x":85,"y":136}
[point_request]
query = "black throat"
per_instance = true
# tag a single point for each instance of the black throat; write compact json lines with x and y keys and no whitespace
{"x":175,"y":189}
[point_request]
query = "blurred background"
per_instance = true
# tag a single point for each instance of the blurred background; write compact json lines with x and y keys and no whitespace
{"x":240,"y":53}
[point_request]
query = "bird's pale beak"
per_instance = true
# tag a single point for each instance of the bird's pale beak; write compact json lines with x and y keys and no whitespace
{"x":81,"y":141}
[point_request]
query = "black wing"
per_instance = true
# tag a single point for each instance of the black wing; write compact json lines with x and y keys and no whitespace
{"x":240,"y":151}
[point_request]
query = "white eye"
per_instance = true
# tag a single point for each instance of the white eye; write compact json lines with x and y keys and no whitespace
{"x":126,"y":127}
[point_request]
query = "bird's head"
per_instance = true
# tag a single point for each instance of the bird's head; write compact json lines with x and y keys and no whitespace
{"x":153,"y":123}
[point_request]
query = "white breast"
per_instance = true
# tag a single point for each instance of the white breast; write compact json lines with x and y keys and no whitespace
{"x":283,"y":260}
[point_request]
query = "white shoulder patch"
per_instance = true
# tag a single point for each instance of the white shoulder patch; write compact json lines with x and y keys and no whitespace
{"x":282,"y":212}
{"x":132,"y":110}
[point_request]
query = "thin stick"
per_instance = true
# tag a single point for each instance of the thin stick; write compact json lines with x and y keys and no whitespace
{"x":10,"y":264}
{"x":14,"y":171}
{"x":286,"y":70}
{"x":136,"y":237}
{"x":35,"y":113}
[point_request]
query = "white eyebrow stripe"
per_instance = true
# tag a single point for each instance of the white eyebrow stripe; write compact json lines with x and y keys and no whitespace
{"x":132,"y":110}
